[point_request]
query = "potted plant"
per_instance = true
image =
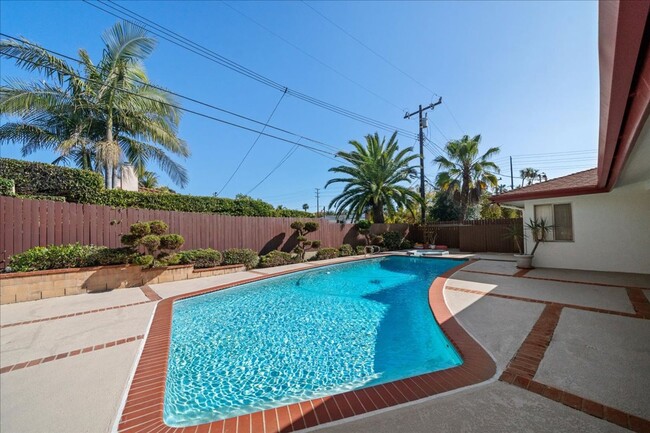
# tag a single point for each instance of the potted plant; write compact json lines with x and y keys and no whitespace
{"x":539,"y":230}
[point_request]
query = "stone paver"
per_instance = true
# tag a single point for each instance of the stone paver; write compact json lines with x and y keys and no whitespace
{"x":494,"y":266}
{"x":610,"y":298}
{"x":22,"y":311}
{"x":27,"y":342}
{"x":78,"y":394}
{"x":616,"y":278}
{"x":602,"y":357}
{"x":501,"y":325}
{"x":495,"y":408}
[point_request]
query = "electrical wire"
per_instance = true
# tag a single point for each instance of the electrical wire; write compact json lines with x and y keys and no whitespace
{"x":284,"y":159}
{"x":187,"y":110}
{"x":165,"y":33}
{"x":286,"y":41}
{"x":187,"y":98}
{"x":253,"y":145}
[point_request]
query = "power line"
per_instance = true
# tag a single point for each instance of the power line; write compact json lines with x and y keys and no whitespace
{"x":178,"y":107}
{"x":357,"y":40}
{"x":252,"y":145}
{"x":181,"y":96}
{"x":286,"y":41}
{"x":278,"y":165}
{"x":165,"y":33}
{"x":454,"y":117}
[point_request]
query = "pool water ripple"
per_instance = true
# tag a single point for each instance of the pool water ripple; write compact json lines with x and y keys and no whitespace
{"x":303,"y":336}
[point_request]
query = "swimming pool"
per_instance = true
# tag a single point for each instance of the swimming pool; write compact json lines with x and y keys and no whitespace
{"x":303,"y":336}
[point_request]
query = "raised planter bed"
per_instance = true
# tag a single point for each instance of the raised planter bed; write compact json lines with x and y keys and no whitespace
{"x":31,"y":286}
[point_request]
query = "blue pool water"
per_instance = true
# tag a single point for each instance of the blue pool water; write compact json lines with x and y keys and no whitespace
{"x":302,"y":336}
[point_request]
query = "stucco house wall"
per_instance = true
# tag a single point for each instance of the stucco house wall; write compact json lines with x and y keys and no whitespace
{"x":611,"y":232}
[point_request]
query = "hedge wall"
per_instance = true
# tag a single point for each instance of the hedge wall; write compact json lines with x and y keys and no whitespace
{"x":35,"y":178}
{"x":82,"y":186}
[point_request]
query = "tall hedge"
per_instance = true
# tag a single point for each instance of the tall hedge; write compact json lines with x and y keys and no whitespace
{"x":35,"y":178}
{"x":82,"y":186}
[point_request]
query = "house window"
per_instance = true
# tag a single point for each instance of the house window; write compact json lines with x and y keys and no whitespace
{"x":558,"y":216}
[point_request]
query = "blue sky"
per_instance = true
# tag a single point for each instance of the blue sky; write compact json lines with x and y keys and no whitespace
{"x":524,"y":75}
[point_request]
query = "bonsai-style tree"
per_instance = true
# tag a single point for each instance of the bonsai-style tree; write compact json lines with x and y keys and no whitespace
{"x":151,"y":235}
{"x":303,"y":229}
{"x":363,"y":226}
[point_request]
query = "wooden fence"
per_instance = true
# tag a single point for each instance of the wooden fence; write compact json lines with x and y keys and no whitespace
{"x":29,"y":223}
{"x":471,"y":236}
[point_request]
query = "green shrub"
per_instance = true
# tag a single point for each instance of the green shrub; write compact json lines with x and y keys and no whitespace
{"x":43,"y":197}
{"x":276,"y":258}
{"x":311,"y":226}
{"x":150,"y":242}
{"x":302,"y":229}
{"x":35,"y":178}
{"x":406,"y":244}
{"x":202,"y":258}
{"x":7,"y":186}
{"x":140,"y":229}
{"x":364,"y":225}
{"x":241,"y":256}
{"x":346,"y":250}
{"x":53,"y":257}
{"x":158,"y":227}
{"x":165,"y":259}
{"x":112,"y":256}
{"x":327,"y":253}
{"x":145,"y":261}
{"x":360,"y":249}
{"x":392,"y":240}
{"x":171,"y":241}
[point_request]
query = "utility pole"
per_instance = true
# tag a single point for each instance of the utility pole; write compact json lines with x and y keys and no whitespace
{"x":512,"y":179}
{"x":422,"y":126}
{"x":317,"y":201}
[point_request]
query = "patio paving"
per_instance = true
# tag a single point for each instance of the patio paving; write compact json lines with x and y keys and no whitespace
{"x":597,"y":356}
{"x":613,"y":349}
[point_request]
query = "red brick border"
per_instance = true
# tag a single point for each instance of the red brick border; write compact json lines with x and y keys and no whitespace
{"x":143,"y":411}
{"x":149,"y":293}
{"x":76,"y":352}
{"x":523,"y":366}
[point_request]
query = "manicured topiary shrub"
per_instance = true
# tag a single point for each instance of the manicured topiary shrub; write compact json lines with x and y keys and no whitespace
{"x":346,"y":250}
{"x":241,"y":256}
{"x":144,"y":260}
{"x":406,"y":244}
{"x":150,"y":235}
{"x":302,"y":230}
{"x":201,"y":258}
{"x":276,"y":258}
{"x":113,"y":256}
{"x":360,"y":249}
{"x":327,"y":253}
{"x":7,"y":187}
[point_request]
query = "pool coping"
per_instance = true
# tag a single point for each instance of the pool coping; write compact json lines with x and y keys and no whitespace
{"x":143,"y":409}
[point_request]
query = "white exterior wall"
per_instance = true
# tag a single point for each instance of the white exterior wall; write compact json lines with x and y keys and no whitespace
{"x":128,"y":180}
{"x":611,"y":232}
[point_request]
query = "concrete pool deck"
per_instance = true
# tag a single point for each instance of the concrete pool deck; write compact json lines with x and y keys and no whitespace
{"x":68,"y":369}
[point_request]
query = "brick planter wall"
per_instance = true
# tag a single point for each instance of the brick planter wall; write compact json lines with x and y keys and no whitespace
{"x":31,"y":286}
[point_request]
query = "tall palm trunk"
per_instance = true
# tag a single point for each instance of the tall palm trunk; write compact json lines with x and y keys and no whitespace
{"x":378,"y":213}
{"x":464,"y":195}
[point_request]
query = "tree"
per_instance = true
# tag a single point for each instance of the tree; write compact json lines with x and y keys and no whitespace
{"x":528,"y":174}
{"x":465,"y":174}
{"x":375,"y":176}
{"x":100,"y":116}
{"x":305,"y":207}
{"x":148,"y":179}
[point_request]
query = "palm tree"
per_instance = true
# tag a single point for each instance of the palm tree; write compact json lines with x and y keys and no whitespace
{"x":305,"y":207}
{"x":148,"y":179}
{"x":528,"y":174}
{"x":466,"y":174}
{"x":374,"y":173}
{"x":100,"y":117}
